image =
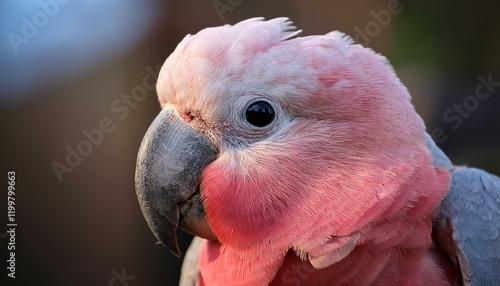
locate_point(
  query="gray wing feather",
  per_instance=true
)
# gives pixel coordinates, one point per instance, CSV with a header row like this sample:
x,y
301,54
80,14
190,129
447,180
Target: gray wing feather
x,y
438,156
472,207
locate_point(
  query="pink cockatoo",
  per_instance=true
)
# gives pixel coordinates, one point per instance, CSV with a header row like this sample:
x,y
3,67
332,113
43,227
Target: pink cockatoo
x,y
301,161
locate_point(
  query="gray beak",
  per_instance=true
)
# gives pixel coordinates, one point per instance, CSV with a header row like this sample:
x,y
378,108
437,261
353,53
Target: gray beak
x,y
170,161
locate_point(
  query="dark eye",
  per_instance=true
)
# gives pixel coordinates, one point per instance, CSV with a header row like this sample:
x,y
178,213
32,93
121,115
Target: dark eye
x,y
259,113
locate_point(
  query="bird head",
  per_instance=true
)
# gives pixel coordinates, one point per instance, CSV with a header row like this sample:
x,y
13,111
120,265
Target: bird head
x,y
267,140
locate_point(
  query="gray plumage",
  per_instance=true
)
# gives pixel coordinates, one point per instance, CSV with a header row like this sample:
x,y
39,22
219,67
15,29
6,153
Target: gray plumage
x,y
472,209
470,216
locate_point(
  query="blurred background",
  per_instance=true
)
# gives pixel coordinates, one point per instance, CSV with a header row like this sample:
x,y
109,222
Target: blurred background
x,y
76,97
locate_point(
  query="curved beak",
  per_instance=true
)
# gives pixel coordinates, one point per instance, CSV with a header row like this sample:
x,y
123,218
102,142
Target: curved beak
x,y
169,164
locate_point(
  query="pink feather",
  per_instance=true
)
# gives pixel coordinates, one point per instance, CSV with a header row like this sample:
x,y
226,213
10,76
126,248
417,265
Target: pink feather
x,y
342,193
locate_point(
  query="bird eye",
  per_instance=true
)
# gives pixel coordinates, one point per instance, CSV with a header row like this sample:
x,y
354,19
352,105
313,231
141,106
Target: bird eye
x,y
259,113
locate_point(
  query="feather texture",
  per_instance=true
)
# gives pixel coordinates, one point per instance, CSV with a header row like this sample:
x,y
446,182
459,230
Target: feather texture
x,y
470,219
340,189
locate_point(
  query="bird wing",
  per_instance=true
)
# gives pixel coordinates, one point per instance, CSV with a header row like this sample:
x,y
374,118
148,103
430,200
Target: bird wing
x,y
469,217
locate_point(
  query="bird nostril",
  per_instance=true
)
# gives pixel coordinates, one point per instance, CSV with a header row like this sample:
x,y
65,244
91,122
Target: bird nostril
x,y
187,116
193,117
